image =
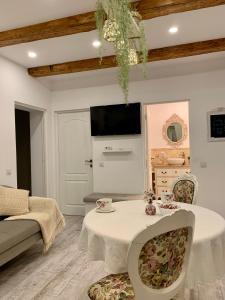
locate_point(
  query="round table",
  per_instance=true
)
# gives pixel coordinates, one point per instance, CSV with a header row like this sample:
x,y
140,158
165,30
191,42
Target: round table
x,y
107,236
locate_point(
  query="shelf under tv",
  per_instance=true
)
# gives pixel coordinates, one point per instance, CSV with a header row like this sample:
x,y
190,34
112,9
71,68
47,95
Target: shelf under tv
x,y
117,151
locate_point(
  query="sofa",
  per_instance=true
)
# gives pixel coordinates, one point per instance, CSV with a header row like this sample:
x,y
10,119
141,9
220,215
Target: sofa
x,y
16,237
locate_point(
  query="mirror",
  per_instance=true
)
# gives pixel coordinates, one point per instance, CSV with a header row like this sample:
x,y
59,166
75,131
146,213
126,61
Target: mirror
x,y
175,130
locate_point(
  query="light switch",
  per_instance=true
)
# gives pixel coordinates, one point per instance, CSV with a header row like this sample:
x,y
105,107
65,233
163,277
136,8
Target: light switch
x,y
203,164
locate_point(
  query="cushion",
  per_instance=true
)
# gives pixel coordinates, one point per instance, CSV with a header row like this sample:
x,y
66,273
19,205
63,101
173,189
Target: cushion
x,y
184,191
16,231
13,201
115,287
161,259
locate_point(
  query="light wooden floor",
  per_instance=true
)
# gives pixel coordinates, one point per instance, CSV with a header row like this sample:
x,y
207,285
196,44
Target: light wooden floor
x,y
64,272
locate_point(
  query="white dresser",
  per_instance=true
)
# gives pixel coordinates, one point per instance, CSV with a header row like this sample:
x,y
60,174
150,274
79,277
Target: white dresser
x,y
165,176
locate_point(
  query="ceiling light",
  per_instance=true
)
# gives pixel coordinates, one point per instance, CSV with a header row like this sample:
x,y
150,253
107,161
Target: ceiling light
x,y
173,29
96,44
32,54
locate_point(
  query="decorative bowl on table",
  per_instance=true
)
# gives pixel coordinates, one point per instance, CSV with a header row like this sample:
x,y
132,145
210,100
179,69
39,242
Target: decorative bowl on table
x,y
167,208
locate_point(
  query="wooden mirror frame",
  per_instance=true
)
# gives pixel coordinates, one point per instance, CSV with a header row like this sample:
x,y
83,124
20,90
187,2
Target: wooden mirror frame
x,y
175,119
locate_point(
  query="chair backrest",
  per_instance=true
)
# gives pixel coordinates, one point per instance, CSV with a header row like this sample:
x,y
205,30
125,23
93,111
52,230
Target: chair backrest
x,y
185,189
158,257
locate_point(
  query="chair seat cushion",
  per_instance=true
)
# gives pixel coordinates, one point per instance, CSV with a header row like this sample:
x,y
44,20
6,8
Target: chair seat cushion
x,y
112,287
16,231
184,191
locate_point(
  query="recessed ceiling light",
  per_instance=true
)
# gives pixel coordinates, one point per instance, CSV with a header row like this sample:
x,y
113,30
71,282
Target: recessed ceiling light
x,y
32,54
96,44
173,29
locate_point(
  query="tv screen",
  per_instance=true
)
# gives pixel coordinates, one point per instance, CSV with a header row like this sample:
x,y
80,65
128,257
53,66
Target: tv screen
x,y
118,119
217,124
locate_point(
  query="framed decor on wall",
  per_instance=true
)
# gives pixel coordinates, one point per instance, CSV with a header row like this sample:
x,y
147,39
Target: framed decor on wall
x,y
216,125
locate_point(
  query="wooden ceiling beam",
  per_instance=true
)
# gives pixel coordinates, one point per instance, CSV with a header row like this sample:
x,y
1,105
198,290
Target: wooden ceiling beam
x,y
150,9
86,22
172,52
56,28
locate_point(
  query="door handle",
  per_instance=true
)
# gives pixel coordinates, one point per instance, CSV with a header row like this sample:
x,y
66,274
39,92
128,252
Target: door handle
x,y
88,161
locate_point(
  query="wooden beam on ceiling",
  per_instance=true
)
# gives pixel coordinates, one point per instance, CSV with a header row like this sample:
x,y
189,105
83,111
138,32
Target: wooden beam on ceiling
x,y
86,22
172,52
150,9
56,28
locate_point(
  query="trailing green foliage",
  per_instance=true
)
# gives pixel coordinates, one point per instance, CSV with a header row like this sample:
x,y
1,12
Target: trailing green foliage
x,y
143,49
120,11
100,17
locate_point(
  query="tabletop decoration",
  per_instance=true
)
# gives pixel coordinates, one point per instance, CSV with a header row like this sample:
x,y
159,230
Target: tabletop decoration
x,y
150,208
167,208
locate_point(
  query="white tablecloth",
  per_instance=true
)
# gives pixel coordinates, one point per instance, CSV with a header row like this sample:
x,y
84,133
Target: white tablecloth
x,y
107,236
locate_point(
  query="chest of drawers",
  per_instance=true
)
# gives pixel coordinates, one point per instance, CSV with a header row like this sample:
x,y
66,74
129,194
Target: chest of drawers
x,y
165,176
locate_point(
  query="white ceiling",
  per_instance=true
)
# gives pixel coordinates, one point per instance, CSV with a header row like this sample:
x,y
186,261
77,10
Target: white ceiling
x,y
193,26
18,13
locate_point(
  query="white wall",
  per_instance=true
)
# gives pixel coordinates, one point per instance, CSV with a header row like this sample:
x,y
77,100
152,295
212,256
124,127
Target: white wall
x,y
158,114
118,172
17,86
205,92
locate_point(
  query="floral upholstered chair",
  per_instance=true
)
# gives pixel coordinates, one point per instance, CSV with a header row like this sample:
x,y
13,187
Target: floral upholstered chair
x,y
157,263
185,189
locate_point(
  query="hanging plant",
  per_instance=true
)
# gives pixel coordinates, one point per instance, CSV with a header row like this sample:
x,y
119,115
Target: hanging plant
x,y
117,23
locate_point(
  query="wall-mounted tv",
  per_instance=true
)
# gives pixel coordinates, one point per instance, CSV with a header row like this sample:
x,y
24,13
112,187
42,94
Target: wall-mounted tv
x,y
216,125
121,119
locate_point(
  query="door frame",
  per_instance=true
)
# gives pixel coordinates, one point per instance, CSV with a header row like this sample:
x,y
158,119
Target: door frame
x,y
32,108
56,138
146,136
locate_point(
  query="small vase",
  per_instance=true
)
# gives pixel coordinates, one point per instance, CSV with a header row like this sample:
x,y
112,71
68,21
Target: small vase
x,y
150,209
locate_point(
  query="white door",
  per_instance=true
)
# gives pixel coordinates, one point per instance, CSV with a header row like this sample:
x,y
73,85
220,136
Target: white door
x,y
75,157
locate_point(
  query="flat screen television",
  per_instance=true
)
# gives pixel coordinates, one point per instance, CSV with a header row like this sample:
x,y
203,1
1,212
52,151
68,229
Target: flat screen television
x,y
216,125
121,119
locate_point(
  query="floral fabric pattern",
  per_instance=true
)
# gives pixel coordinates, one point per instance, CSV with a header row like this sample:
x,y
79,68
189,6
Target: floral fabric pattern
x,y
184,191
112,287
161,259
